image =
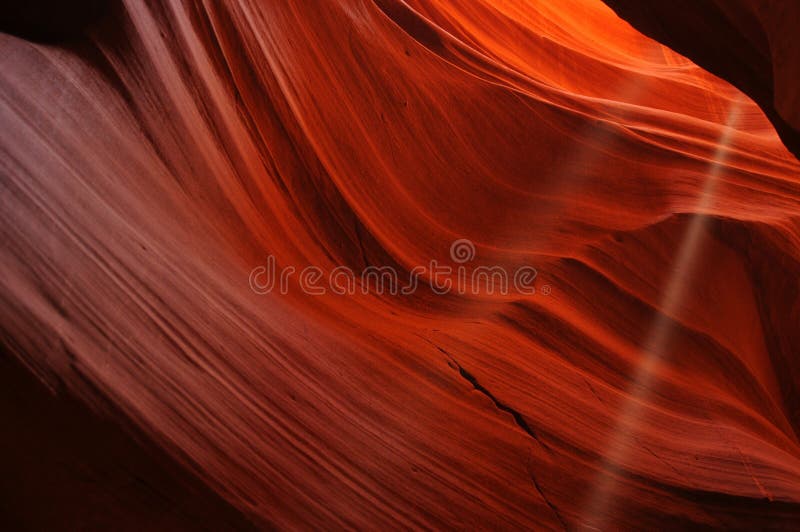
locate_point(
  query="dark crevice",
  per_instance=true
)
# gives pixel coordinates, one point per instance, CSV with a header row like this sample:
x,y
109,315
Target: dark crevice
x,y
544,497
519,419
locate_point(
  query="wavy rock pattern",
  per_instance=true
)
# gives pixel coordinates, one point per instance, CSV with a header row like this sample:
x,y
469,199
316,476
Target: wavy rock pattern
x,y
651,381
747,42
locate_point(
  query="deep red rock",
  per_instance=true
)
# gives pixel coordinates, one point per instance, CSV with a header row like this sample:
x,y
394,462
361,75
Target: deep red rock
x,y
164,152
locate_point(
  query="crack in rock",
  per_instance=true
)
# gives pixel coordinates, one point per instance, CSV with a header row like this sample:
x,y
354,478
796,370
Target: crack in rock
x,y
519,420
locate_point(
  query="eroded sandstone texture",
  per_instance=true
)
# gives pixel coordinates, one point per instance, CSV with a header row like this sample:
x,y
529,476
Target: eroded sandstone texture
x,y
155,153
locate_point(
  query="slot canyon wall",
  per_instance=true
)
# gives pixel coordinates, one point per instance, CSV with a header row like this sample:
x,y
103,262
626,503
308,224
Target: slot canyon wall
x,y
750,43
156,153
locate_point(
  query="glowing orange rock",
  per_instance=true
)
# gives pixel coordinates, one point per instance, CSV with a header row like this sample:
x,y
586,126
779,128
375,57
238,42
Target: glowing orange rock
x,y
650,381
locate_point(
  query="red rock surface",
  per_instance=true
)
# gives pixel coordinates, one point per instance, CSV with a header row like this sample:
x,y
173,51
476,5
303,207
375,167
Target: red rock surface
x,y
152,160
751,43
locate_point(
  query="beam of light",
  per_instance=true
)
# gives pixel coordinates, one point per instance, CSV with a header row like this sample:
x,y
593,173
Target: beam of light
x,y
624,434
